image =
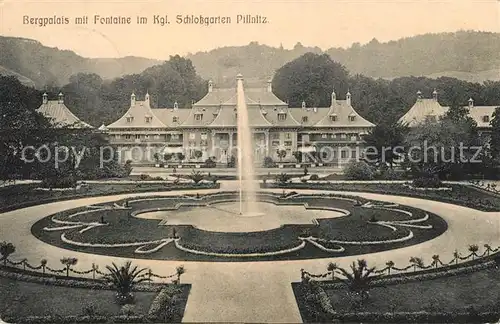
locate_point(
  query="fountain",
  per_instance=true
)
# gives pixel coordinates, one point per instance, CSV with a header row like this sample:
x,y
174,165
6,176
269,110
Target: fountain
x,y
246,175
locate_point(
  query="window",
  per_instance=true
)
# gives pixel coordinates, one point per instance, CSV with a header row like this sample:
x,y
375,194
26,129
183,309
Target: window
x,y
174,136
204,136
175,119
332,135
486,119
192,136
288,135
333,118
352,118
157,136
148,119
343,154
304,119
344,136
127,136
354,154
137,136
324,135
288,143
117,136
130,119
354,138
275,143
198,117
146,136
282,116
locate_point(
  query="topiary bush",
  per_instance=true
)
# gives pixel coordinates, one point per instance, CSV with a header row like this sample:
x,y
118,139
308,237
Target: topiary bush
x,y
314,177
269,163
427,182
59,182
358,170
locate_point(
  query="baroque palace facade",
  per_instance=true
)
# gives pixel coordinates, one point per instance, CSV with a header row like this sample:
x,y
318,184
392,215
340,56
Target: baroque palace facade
x,y
209,128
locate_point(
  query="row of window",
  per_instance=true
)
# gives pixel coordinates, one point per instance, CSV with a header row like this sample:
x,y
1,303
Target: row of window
x,y
333,118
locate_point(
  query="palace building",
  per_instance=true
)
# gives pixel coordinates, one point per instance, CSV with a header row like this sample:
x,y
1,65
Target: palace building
x,y
430,109
209,128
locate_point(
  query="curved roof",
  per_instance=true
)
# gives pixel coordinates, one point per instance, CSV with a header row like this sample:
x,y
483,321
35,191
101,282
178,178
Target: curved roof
x,y
344,113
138,110
60,115
421,109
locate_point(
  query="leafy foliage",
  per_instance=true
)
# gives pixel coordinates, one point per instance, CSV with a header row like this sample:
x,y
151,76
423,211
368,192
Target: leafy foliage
x,y
359,278
123,279
6,249
358,170
196,176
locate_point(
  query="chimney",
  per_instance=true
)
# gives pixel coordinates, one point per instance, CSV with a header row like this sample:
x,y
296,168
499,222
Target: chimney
x,y
132,99
45,98
419,95
60,98
435,95
210,86
269,85
471,103
334,97
348,97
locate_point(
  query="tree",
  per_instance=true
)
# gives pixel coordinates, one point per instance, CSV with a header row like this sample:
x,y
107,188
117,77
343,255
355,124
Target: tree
x,y
167,156
6,249
332,267
198,154
298,156
124,279
310,78
281,154
180,156
495,136
68,263
385,143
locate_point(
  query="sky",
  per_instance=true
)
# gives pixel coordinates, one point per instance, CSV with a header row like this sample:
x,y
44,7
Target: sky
x,y
322,23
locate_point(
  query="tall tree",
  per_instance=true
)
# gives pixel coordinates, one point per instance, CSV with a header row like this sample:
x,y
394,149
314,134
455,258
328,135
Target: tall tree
x,y
310,78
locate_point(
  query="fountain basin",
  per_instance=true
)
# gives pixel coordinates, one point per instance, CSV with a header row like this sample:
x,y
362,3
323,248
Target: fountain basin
x,y
225,216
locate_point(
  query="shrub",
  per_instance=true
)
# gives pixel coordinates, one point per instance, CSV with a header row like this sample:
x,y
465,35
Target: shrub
x,y
427,182
128,310
123,280
209,163
358,170
196,176
59,182
232,162
6,249
144,177
269,163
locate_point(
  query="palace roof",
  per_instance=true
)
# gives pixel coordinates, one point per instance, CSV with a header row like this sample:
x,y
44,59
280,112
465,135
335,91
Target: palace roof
x,y
59,114
139,115
424,108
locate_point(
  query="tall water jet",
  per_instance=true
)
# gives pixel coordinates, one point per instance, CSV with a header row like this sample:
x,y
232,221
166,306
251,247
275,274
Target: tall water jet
x,y
248,185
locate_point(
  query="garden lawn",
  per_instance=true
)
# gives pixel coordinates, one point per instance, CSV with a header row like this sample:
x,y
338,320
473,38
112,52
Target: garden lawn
x,y
124,228
21,299
25,195
463,195
480,290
